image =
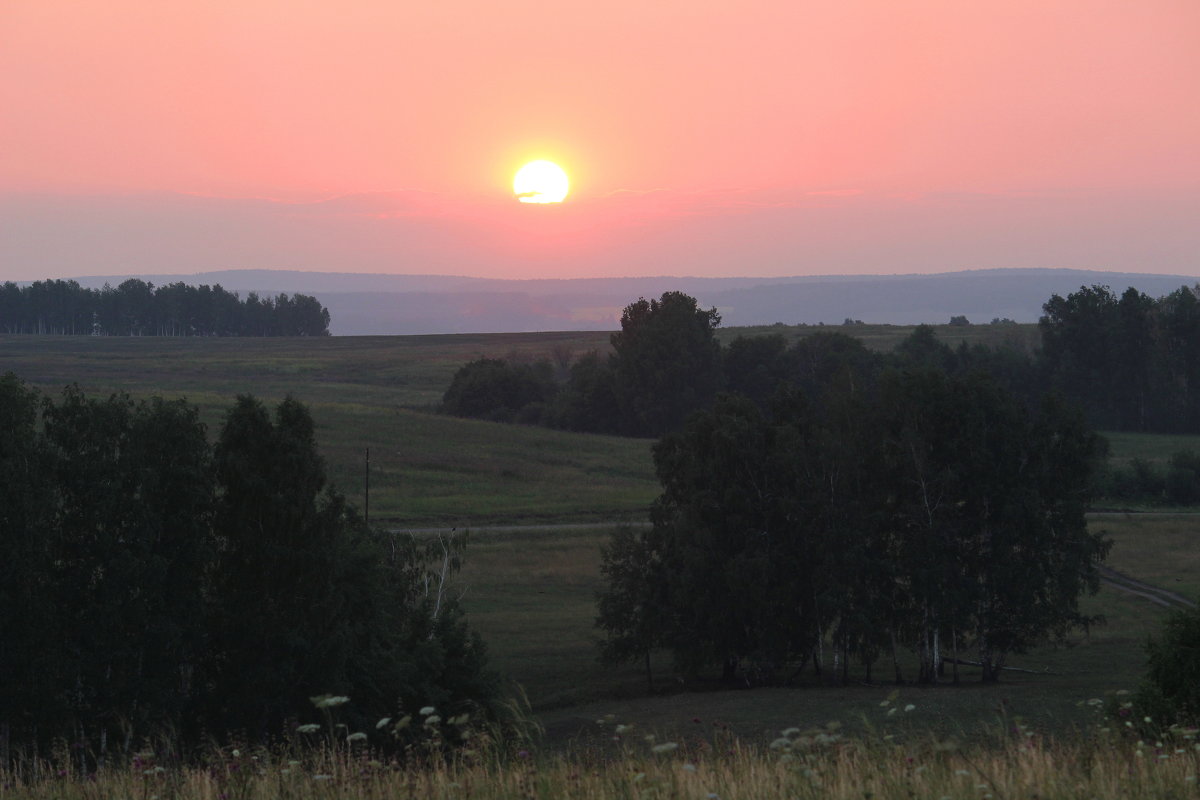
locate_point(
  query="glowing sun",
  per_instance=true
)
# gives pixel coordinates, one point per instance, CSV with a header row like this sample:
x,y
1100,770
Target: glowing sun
x,y
540,182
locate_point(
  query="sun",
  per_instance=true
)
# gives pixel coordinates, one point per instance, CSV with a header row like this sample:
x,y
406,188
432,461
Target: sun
x,y
541,182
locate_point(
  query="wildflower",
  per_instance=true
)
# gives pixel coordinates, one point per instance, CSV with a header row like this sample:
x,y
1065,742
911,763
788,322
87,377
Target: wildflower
x,y
962,772
909,707
426,711
309,728
382,722
789,732
403,723
432,719
329,701
690,767
665,747
624,728
293,763
1145,719
357,737
322,777
891,711
1095,701
461,719
782,743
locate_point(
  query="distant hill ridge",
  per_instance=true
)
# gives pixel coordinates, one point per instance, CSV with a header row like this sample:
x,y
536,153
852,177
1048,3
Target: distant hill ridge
x,y
363,303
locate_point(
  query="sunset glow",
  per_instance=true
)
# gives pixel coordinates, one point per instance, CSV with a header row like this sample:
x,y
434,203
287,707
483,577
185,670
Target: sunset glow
x,y
759,137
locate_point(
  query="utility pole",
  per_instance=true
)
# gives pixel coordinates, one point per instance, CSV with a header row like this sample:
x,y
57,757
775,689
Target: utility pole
x,y
367,488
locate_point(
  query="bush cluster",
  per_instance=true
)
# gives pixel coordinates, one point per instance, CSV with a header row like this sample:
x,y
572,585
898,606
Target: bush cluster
x,y
1139,481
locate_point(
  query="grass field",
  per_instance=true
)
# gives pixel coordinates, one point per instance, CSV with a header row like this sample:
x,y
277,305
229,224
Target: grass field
x,y
531,593
379,391
532,596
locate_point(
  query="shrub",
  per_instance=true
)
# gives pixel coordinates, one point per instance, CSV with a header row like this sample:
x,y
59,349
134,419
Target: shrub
x,y
1171,690
1183,478
492,388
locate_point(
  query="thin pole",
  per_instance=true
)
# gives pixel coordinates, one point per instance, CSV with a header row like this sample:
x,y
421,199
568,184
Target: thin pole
x,y
367,488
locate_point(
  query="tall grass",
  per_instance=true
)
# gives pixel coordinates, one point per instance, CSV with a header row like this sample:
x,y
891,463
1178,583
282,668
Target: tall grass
x,y
798,764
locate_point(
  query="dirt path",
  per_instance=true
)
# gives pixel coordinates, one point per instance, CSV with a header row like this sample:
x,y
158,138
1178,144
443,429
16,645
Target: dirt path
x,y
1155,594
548,526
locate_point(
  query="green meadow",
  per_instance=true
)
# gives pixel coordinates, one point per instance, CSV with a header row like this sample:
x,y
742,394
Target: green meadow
x,y
379,392
531,594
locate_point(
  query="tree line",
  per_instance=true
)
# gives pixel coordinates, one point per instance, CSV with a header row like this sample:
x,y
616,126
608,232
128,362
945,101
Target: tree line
x,y
1132,363
138,308
153,583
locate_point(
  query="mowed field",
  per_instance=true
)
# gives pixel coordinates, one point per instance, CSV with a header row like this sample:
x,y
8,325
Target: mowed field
x,y
379,392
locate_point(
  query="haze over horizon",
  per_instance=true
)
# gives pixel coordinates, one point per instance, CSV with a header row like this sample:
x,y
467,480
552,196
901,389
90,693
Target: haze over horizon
x,y
763,138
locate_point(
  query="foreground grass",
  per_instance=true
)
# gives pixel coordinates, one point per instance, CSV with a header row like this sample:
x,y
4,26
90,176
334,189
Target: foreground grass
x,y
811,764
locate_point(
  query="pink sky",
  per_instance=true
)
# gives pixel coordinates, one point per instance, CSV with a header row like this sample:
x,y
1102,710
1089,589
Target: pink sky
x,y
702,138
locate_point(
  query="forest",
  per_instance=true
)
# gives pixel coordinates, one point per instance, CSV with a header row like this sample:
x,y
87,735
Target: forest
x,y
138,308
